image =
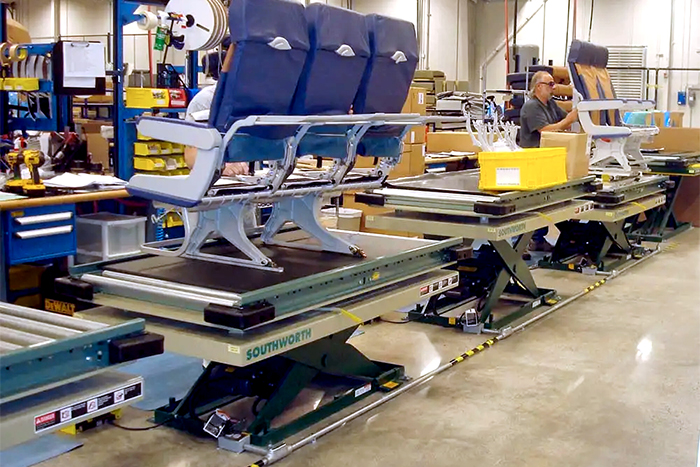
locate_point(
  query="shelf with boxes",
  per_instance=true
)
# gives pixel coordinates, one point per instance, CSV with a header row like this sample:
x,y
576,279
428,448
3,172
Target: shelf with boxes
x,y
159,157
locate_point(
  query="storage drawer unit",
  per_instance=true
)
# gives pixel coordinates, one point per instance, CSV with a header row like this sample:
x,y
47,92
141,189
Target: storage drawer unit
x,y
40,233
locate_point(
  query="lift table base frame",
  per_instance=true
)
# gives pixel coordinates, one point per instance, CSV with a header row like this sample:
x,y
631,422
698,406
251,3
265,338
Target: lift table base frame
x,y
513,274
602,243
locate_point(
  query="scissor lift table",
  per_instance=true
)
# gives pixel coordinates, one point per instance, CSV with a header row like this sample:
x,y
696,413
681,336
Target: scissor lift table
x,y
451,205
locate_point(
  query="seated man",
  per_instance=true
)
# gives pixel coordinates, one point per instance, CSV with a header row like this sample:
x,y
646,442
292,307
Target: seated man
x,y
198,111
541,113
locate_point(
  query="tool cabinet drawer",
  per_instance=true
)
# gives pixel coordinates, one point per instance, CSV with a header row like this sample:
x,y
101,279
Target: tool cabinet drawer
x,y
39,233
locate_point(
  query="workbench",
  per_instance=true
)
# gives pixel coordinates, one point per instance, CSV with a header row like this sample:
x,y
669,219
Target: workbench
x,y
661,224
41,230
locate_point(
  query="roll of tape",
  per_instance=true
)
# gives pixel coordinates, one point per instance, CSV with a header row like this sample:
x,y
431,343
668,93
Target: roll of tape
x,y
4,48
18,53
148,21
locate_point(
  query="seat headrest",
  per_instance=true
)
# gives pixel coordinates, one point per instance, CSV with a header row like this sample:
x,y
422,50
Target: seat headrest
x,y
265,20
332,27
390,35
587,53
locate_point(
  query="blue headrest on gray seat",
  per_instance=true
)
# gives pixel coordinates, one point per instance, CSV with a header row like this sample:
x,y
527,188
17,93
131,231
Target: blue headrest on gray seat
x,y
271,44
386,82
390,70
332,74
587,53
336,61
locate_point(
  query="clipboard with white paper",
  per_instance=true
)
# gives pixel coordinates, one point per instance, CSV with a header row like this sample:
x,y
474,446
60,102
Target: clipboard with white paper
x,y
84,60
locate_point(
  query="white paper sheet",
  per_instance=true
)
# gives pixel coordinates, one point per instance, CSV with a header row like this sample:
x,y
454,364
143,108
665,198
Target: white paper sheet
x,y
76,181
83,60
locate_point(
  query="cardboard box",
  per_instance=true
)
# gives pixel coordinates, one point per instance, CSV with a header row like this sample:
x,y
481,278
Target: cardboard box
x,y
412,162
576,144
16,33
416,135
97,145
349,202
676,140
687,207
446,141
668,119
416,102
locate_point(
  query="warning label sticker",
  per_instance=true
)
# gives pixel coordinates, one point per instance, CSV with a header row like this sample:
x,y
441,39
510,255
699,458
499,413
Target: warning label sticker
x,y
64,415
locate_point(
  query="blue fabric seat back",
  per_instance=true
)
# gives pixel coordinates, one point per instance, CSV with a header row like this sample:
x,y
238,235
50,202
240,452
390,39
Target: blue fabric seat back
x,y
260,79
339,50
386,81
338,55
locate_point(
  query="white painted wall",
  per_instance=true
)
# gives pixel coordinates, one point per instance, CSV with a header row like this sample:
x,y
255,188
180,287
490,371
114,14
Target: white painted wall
x,y
448,35
615,22
402,9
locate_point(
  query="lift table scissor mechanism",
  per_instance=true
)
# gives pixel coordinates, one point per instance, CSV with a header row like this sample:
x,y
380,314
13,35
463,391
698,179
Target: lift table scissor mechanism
x,y
600,240
451,205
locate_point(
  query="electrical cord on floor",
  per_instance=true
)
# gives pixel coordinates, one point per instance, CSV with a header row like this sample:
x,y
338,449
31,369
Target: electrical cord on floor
x,y
425,307
399,322
141,428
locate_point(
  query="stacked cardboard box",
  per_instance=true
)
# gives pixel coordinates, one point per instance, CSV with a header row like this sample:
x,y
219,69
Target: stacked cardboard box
x,y
447,141
99,147
432,82
680,140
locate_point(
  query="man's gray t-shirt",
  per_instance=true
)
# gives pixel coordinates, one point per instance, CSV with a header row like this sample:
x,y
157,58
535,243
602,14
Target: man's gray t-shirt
x,y
534,116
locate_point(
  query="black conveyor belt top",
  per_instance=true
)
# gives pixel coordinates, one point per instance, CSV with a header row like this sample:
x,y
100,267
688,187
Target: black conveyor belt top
x,y
235,279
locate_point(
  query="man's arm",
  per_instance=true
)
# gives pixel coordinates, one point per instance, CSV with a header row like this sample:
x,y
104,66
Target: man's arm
x,y
562,125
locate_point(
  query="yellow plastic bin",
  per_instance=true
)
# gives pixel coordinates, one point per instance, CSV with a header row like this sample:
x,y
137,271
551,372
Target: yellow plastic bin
x,y
529,169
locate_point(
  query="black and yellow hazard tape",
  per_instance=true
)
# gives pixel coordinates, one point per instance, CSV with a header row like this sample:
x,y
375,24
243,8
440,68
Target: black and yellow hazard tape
x,y
591,288
478,349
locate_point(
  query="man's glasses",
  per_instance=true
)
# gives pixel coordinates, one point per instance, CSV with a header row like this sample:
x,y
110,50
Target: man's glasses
x,y
551,84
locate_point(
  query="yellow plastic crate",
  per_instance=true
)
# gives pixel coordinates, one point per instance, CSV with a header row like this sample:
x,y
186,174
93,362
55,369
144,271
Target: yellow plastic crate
x,y
172,220
149,164
151,148
141,137
20,84
529,169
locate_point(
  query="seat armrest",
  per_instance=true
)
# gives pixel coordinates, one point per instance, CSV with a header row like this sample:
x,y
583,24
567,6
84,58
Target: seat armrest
x,y
637,104
600,104
178,131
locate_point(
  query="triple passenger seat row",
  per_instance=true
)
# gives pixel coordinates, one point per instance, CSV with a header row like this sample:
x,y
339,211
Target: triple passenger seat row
x,y
318,80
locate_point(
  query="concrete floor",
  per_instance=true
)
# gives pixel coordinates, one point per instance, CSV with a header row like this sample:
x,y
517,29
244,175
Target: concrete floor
x,y
611,379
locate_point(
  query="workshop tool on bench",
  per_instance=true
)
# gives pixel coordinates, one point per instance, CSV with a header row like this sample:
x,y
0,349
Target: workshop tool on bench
x,y
34,187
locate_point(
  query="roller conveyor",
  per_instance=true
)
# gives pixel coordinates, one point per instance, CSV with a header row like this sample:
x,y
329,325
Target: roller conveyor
x,y
53,367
